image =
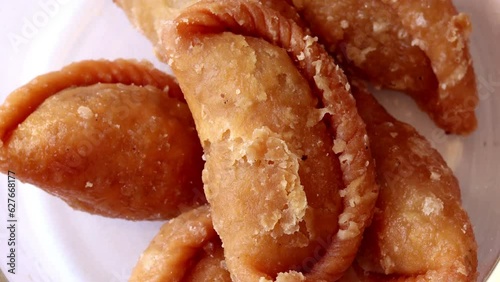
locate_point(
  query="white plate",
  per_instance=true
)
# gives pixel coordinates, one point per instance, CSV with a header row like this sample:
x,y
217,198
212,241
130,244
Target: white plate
x,y
56,243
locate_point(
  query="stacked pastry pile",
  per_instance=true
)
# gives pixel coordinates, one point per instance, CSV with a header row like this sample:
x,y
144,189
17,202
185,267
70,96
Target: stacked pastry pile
x,y
305,176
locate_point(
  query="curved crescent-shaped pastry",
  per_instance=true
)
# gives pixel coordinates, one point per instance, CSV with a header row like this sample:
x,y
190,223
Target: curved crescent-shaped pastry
x,y
108,148
23,101
186,249
271,173
419,47
419,231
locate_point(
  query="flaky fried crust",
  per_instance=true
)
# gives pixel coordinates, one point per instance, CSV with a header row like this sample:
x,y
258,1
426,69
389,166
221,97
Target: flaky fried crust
x,y
419,231
148,15
369,40
249,138
23,101
186,249
107,148
419,47
209,264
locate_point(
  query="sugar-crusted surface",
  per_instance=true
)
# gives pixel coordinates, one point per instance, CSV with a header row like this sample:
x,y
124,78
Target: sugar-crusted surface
x,y
419,47
419,232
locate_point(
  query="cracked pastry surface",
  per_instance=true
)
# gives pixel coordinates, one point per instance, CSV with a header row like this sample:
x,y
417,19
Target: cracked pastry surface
x,y
273,158
420,47
103,146
148,16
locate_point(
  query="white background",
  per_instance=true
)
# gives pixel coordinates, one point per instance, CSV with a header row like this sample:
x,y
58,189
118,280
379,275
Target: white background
x,y
56,243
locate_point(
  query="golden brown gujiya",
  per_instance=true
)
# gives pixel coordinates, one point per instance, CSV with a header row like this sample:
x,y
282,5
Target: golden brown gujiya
x,y
149,15
419,232
420,47
186,249
106,137
282,204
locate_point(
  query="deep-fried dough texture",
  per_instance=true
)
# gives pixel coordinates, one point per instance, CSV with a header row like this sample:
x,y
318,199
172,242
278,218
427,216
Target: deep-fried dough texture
x,y
371,39
255,134
110,149
419,47
148,15
277,166
443,34
186,249
23,101
419,231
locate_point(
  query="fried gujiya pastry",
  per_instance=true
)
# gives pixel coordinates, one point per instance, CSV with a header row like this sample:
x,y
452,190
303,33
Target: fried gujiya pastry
x,y
111,138
187,249
419,230
419,47
288,172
